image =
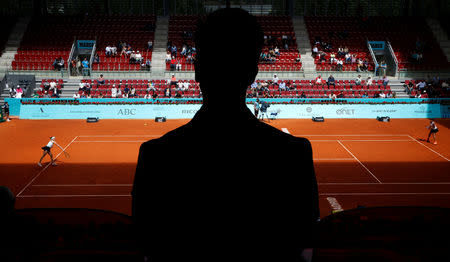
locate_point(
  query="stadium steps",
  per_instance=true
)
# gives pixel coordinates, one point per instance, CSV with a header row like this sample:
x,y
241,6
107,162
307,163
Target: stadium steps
x,y
13,43
440,35
160,47
304,46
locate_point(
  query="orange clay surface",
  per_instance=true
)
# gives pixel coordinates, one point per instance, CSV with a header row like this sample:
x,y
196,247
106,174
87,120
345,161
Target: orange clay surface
x,y
357,162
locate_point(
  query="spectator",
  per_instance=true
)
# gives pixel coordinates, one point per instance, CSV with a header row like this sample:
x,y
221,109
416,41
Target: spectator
x,y
421,85
358,80
275,80
178,65
132,92
96,59
85,67
282,86
151,87
76,95
138,57
409,87
100,80
114,91
319,80
173,63
58,64
331,81
369,81
150,45
382,68
147,65
132,57
126,91
108,51
168,57
173,80
339,64
385,81
315,51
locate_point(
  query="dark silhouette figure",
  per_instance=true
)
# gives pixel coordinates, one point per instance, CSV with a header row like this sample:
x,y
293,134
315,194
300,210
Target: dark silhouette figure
x,y
225,186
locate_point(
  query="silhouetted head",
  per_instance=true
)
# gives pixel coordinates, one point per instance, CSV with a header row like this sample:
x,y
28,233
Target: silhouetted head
x,y
228,44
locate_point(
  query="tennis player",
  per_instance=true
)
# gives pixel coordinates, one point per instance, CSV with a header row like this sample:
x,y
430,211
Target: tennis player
x,y
433,130
47,150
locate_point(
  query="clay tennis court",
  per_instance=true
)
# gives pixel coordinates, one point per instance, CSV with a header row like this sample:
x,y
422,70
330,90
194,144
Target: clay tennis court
x,y
357,162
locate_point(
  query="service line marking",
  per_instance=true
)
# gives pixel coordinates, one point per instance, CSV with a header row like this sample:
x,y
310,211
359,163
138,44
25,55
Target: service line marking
x,y
359,161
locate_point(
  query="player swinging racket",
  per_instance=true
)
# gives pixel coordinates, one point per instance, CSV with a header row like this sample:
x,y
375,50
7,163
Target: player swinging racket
x,y
47,149
433,130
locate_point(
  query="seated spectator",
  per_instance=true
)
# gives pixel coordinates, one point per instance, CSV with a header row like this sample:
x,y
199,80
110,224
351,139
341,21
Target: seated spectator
x,y
332,57
282,86
168,57
358,80
138,57
331,81
275,80
147,65
150,45
128,50
332,96
76,95
298,58
319,80
58,64
276,51
81,87
126,92
409,87
382,95
348,58
113,91
315,51
369,81
365,65
421,85
147,95
113,50
100,80
132,92
108,51
340,51
178,65
345,50
96,59
173,80
385,81
339,64
173,63
353,59
183,50
132,57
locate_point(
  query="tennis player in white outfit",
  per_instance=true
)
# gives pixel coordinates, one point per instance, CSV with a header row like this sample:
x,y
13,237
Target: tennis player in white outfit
x,y
47,150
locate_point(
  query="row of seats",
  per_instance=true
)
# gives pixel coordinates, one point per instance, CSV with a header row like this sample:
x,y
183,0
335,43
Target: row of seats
x,y
52,36
401,32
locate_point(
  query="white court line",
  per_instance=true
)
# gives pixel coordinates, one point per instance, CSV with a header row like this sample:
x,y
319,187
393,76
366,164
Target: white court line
x,y
83,185
358,161
383,194
284,129
334,159
42,171
429,148
48,196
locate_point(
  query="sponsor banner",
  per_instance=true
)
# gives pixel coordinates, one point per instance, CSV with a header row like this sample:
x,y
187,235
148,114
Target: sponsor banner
x,y
187,111
108,111
85,44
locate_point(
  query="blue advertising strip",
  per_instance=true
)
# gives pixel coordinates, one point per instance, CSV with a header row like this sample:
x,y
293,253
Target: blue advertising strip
x,y
85,44
186,108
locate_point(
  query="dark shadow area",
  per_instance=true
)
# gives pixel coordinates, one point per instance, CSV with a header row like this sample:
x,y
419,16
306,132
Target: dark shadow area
x,y
209,190
384,234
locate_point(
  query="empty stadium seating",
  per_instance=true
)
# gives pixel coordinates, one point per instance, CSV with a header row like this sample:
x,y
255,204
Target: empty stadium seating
x,y
401,32
277,30
51,37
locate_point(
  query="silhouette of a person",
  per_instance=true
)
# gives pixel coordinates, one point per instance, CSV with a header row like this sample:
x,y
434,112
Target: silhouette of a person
x,y
214,189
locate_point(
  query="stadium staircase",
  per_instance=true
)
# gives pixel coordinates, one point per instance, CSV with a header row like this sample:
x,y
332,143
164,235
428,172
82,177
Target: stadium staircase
x,y
12,45
304,47
441,36
160,47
